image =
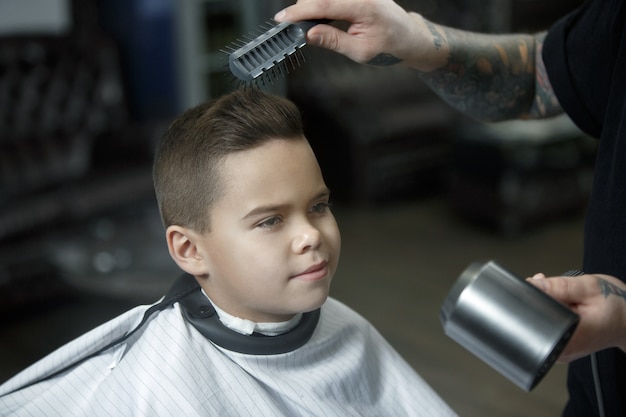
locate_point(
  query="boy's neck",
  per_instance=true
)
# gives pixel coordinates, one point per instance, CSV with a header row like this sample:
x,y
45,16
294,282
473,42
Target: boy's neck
x,y
247,327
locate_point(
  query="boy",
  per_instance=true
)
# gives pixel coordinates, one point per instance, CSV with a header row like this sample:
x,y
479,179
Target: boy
x,y
249,329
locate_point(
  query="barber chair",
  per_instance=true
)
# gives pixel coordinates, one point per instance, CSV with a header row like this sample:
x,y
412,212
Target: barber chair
x,y
69,152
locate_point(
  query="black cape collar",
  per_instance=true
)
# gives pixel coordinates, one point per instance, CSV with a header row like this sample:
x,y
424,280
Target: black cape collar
x,y
199,312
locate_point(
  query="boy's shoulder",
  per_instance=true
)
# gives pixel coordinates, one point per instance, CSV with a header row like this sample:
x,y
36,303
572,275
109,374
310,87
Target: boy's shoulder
x,y
79,349
334,306
337,318
343,311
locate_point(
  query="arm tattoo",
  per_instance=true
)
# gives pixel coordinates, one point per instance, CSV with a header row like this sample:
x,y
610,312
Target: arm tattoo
x,y
384,60
607,289
492,81
545,104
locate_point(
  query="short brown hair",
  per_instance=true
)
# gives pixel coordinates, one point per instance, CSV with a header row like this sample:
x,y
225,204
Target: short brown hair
x,y
186,165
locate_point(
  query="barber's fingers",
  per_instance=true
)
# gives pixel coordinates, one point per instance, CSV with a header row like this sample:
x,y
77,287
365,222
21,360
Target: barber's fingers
x,y
359,48
327,37
349,10
568,290
361,42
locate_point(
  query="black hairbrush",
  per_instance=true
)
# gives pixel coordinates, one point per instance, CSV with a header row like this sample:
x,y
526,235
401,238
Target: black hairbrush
x,y
272,53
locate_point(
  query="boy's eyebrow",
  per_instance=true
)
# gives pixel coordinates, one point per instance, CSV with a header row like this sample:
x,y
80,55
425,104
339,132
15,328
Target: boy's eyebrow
x,y
263,209
276,207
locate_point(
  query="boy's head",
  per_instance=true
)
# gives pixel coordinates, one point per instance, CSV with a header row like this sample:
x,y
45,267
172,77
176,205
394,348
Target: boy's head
x,y
186,168
246,207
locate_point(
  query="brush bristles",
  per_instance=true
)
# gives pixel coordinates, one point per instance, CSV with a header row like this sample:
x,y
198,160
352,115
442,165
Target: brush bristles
x,y
279,70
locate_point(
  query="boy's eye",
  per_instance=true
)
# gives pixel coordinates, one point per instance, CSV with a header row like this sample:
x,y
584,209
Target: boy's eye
x,y
320,208
271,222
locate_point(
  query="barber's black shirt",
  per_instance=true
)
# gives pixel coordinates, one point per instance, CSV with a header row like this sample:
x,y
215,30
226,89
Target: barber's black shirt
x,y
585,56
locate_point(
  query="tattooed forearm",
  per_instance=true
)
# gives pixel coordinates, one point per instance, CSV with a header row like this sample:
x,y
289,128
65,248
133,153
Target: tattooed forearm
x,y
545,104
607,289
487,77
384,60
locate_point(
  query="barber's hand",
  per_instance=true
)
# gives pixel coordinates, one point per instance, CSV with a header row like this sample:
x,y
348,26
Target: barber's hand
x,y
380,32
600,300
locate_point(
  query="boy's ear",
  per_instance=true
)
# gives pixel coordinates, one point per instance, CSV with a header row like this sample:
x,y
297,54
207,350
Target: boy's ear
x,y
182,244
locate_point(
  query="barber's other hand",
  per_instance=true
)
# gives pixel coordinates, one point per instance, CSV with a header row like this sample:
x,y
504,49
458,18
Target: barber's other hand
x,y
380,32
600,301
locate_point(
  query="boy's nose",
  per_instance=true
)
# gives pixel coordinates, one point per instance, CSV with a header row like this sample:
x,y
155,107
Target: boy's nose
x,y
308,238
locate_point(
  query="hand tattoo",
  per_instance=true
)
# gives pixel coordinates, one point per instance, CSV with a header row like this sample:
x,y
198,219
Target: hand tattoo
x,y
437,37
607,289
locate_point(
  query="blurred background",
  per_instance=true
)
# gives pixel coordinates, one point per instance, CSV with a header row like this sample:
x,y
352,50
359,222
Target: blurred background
x,y
87,87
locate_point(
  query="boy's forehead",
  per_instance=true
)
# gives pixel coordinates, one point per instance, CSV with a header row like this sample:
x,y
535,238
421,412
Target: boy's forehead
x,y
274,168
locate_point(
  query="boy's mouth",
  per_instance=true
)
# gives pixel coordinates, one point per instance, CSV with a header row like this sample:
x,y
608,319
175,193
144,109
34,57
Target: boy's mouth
x,y
314,272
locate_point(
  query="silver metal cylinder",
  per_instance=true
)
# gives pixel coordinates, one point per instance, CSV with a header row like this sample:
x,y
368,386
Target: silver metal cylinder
x,y
508,323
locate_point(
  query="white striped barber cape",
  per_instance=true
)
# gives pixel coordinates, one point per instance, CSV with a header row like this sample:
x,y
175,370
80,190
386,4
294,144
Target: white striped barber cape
x,y
169,369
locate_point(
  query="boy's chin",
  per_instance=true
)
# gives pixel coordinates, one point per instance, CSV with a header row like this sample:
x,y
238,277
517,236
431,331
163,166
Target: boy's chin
x,y
314,303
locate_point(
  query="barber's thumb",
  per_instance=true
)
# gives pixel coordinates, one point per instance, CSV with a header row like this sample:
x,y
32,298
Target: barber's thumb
x,y
539,281
280,16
